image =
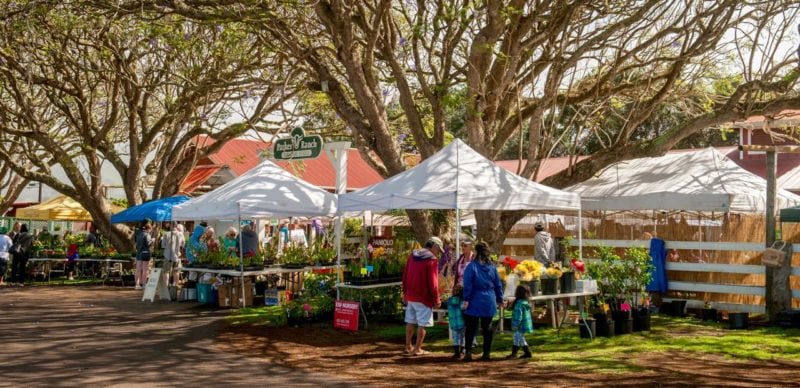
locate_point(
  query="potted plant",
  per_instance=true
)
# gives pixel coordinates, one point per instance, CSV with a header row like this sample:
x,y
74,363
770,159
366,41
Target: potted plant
x,y
324,255
610,275
549,280
709,313
295,256
529,273
639,267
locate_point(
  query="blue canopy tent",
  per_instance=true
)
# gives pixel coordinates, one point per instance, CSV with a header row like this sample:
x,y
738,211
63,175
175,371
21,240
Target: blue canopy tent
x,y
157,210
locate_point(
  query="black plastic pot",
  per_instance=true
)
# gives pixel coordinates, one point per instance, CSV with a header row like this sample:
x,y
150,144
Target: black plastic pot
x,y
549,286
567,281
709,315
679,308
641,319
738,320
533,285
592,329
604,327
623,323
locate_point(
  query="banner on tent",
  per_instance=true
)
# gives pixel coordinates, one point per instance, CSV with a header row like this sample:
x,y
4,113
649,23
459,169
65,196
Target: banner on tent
x,y
345,315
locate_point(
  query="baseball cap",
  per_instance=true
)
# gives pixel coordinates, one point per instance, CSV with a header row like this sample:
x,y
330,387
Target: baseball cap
x,y
435,241
466,241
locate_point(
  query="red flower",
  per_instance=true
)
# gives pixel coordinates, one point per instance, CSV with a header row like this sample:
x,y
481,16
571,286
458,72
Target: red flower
x,y
578,265
510,262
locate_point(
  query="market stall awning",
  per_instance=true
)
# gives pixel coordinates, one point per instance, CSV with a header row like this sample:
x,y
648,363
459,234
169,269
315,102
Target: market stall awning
x,y
696,180
458,177
157,210
265,191
61,208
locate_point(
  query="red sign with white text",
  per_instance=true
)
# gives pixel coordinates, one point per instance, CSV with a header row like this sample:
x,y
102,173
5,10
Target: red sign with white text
x,y
345,315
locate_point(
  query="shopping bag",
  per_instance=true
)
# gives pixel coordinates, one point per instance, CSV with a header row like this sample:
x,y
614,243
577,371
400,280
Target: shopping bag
x,y
774,256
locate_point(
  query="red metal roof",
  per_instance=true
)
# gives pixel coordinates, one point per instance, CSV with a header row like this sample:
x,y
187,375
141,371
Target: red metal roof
x,y
240,155
549,166
789,116
197,177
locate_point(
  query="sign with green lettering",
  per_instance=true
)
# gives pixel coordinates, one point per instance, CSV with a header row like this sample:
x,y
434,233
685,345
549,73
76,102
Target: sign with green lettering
x,y
297,146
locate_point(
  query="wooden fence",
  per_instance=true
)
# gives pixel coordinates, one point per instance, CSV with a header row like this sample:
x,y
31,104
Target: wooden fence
x,y
732,287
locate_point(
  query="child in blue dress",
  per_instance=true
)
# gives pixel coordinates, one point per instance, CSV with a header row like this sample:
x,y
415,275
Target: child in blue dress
x,y
456,320
521,321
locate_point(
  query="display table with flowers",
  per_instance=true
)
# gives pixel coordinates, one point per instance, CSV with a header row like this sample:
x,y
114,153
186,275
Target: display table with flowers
x,y
551,301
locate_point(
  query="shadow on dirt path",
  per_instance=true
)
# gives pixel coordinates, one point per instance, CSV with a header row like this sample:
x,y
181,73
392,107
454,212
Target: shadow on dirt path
x,y
68,336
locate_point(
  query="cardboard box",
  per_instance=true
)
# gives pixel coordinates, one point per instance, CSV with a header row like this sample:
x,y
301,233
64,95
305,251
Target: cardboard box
x,y
225,295
249,291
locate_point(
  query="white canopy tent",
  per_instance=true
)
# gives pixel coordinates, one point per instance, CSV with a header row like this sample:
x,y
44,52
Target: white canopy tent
x,y
458,177
790,180
265,191
699,180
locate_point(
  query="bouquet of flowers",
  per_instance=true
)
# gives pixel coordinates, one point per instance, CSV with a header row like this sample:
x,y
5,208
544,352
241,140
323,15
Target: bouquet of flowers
x,y
529,270
553,272
507,266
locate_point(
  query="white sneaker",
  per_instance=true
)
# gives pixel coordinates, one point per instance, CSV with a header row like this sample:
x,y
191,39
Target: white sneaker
x,y
138,287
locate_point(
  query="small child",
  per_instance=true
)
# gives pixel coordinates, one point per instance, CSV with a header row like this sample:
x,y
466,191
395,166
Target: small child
x,y
456,320
521,322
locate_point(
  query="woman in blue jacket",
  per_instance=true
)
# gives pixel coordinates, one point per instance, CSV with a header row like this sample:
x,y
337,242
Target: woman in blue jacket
x,y
482,293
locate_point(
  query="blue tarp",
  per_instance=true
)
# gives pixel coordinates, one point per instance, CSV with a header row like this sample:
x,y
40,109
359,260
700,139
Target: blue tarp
x,y
156,210
658,251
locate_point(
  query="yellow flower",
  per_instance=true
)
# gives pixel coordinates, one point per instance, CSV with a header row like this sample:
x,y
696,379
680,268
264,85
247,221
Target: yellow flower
x,y
553,273
502,272
529,270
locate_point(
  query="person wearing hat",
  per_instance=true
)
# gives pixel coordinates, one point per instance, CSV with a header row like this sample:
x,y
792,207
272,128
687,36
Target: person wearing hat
x,y
544,250
467,254
421,292
5,245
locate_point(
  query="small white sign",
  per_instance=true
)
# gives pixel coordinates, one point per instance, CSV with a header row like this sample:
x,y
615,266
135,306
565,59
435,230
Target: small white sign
x,y
152,285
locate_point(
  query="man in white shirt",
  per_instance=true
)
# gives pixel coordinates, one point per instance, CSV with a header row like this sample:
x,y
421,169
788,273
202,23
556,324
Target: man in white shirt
x,y
297,235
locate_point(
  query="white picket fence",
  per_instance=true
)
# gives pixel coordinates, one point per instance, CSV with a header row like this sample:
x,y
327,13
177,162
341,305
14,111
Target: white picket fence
x,y
699,267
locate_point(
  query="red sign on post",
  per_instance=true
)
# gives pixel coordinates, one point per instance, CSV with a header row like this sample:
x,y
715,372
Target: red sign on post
x,y
345,315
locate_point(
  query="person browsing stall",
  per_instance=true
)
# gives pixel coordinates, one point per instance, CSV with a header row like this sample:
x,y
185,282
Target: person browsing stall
x,y
544,250
143,241
482,293
5,245
421,292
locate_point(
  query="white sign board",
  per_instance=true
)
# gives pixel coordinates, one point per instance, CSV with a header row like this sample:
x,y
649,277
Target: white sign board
x,y
152,285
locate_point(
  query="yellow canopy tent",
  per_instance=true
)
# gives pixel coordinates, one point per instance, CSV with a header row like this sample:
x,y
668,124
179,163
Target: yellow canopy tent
x,y
60,208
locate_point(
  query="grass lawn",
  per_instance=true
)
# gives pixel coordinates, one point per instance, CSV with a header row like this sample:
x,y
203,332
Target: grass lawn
x,y
613,355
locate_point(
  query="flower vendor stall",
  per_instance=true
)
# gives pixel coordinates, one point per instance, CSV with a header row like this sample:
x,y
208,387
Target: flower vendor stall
x,y
457,177
263,192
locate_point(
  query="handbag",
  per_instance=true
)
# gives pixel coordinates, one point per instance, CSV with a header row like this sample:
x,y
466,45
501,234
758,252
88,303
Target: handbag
x,y
774,256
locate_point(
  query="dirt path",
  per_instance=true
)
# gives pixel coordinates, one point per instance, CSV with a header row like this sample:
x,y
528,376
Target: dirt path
x,y
105,336
365,359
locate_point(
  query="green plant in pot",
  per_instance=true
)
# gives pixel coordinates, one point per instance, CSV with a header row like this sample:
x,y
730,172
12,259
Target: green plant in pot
x,y
640,273
295,256
324,255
